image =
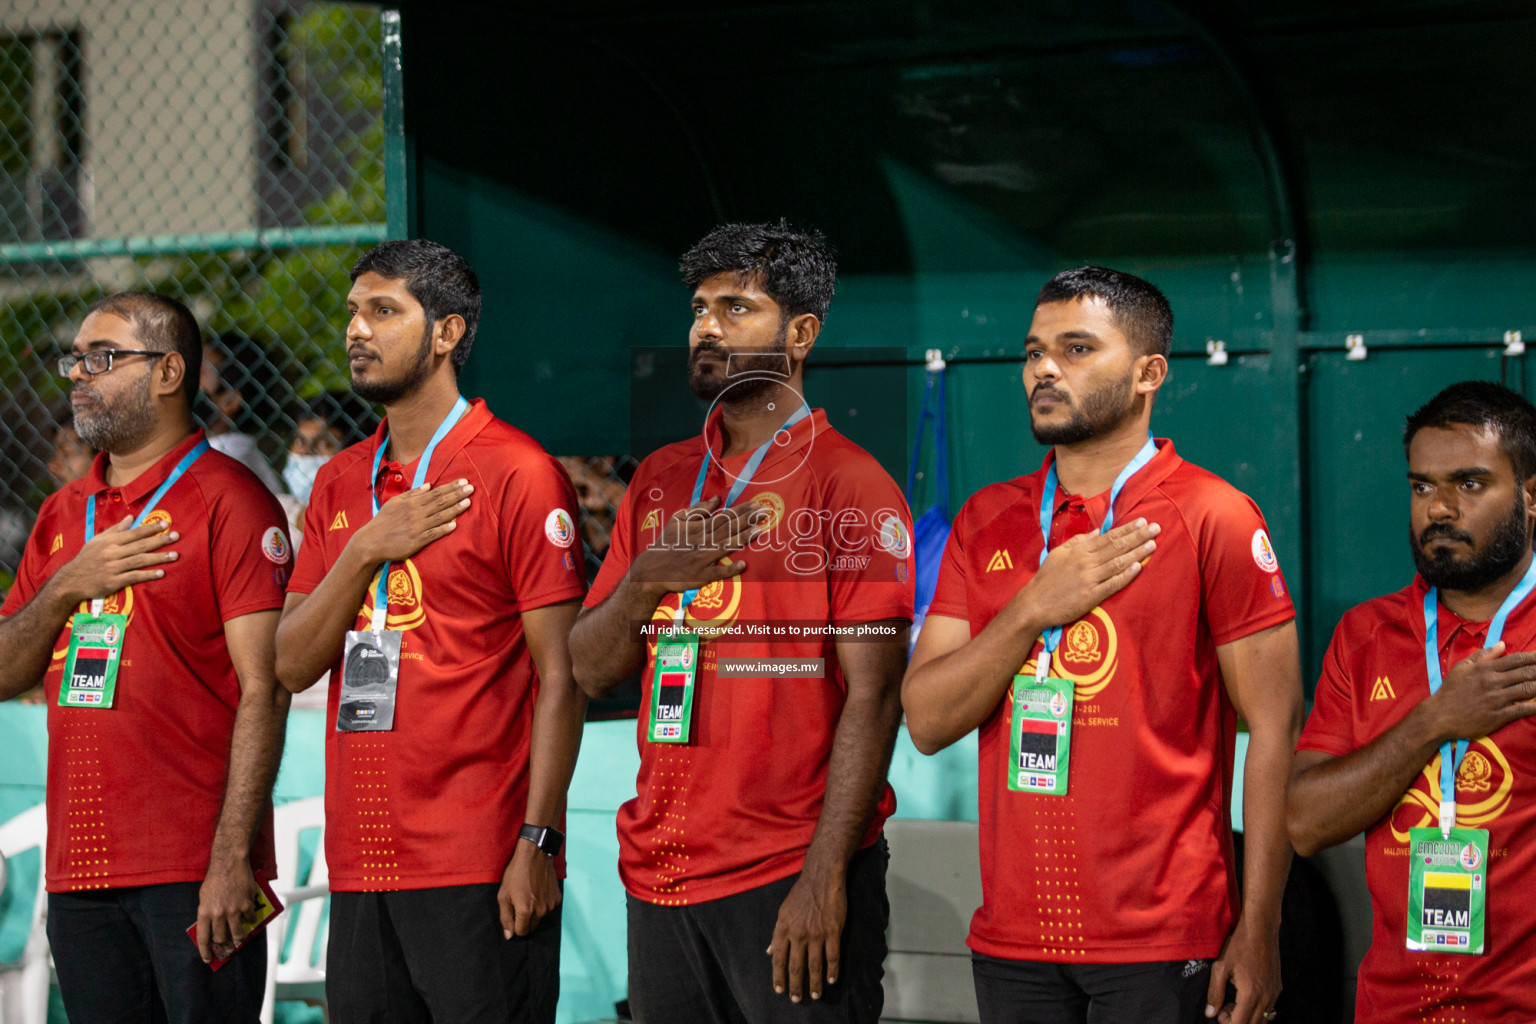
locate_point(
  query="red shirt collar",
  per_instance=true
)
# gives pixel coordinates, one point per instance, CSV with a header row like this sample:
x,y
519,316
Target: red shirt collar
x,y
800,436
144,484
1136,488
461,433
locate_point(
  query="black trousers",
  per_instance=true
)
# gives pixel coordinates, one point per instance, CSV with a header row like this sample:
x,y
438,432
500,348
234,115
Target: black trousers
x,y
437,955
1031,992
123,957
707,963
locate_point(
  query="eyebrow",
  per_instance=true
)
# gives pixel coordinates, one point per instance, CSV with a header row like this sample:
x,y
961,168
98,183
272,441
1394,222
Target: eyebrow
x,y
1068,336
1467,473
94,345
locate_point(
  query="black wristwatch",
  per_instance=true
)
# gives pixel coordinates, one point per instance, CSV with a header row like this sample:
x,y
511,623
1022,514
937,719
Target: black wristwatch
x,y
547,840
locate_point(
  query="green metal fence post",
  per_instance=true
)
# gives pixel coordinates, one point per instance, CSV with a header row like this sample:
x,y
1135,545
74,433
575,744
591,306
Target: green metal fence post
x,y
396,175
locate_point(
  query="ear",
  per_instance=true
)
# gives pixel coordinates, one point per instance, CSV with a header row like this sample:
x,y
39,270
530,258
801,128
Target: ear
x,y
446,334
1529,486
171,375
801,336
1150,373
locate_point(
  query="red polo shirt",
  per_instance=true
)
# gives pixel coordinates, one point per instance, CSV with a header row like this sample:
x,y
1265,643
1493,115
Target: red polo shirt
x,y
735,808
1135,862
134,791
438,800
1373,675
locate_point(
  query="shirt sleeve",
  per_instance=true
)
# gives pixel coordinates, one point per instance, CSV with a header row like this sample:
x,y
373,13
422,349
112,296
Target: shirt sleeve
x,y
1330,726
29,573
1240,578
540,539
949,597
620,548
312,562
248,547
870,574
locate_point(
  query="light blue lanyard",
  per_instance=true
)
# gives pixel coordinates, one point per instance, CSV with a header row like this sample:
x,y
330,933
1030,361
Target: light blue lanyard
x,y
1052,636
381,593
740,484
154,499
1450,759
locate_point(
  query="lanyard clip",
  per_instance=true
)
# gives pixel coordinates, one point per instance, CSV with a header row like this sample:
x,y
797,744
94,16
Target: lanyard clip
x,y
1447,817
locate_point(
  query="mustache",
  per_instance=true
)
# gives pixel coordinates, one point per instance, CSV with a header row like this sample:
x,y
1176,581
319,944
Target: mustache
x,y
1048,389
1445,530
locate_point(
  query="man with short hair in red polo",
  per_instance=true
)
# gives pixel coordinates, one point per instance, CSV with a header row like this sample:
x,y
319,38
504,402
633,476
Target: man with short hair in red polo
x,y
437,582
146,602
1421,733
761,575
1105,670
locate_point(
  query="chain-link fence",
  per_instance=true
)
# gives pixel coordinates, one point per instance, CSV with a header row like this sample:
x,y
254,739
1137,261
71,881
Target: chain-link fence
x,y
229,152
236,154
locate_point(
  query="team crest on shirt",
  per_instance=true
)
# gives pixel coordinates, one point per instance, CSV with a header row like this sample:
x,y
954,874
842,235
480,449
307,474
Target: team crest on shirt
x,y
159,517
559,528
773,505
1264,552
1485,784
893,538
712,612
275,546
407,604
1089,654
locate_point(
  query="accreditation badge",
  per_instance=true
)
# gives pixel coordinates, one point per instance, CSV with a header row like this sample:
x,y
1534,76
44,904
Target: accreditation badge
x,y
91,663
1447,890
370,674
1040,736
677,666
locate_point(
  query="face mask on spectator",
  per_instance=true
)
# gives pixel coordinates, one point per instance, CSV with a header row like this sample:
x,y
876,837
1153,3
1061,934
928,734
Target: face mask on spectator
x,y
299,474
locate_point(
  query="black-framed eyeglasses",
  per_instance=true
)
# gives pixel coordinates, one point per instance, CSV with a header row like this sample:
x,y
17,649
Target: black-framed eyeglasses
x,y
99,360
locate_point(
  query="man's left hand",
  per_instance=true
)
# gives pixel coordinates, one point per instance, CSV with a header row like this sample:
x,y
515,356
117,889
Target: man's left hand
x,y
529,890
807,939
1251,962
224,903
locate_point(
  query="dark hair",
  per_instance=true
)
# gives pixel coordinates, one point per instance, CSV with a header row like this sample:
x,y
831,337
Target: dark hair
x,y
162,325
436,276
797,269
1138,308
1481,403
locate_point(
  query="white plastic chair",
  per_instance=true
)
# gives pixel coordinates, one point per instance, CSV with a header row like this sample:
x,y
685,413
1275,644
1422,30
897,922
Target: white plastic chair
x,y
24,983
292,976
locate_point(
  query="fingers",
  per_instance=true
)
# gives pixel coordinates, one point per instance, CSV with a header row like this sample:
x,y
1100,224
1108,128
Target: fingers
x,y
508,913
1129,535
1216,989
834,957
814,961
797,950
204,929
779,950
443,496
234,929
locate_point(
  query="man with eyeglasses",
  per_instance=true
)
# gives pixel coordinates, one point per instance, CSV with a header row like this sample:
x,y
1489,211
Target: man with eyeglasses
x,y
147,601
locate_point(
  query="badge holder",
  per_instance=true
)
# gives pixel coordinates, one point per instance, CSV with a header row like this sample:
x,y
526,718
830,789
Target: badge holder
x,y
672,682
1040,734
1447,875
370,670
94,656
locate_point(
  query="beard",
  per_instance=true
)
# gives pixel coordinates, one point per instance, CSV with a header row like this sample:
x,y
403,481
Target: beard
x,y
757,371
1101,409
388,392
1503,551
119,425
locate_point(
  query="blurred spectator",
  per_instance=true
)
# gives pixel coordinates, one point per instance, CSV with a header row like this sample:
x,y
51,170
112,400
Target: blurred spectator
x,y
237,376
599,489
72,457
322,427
